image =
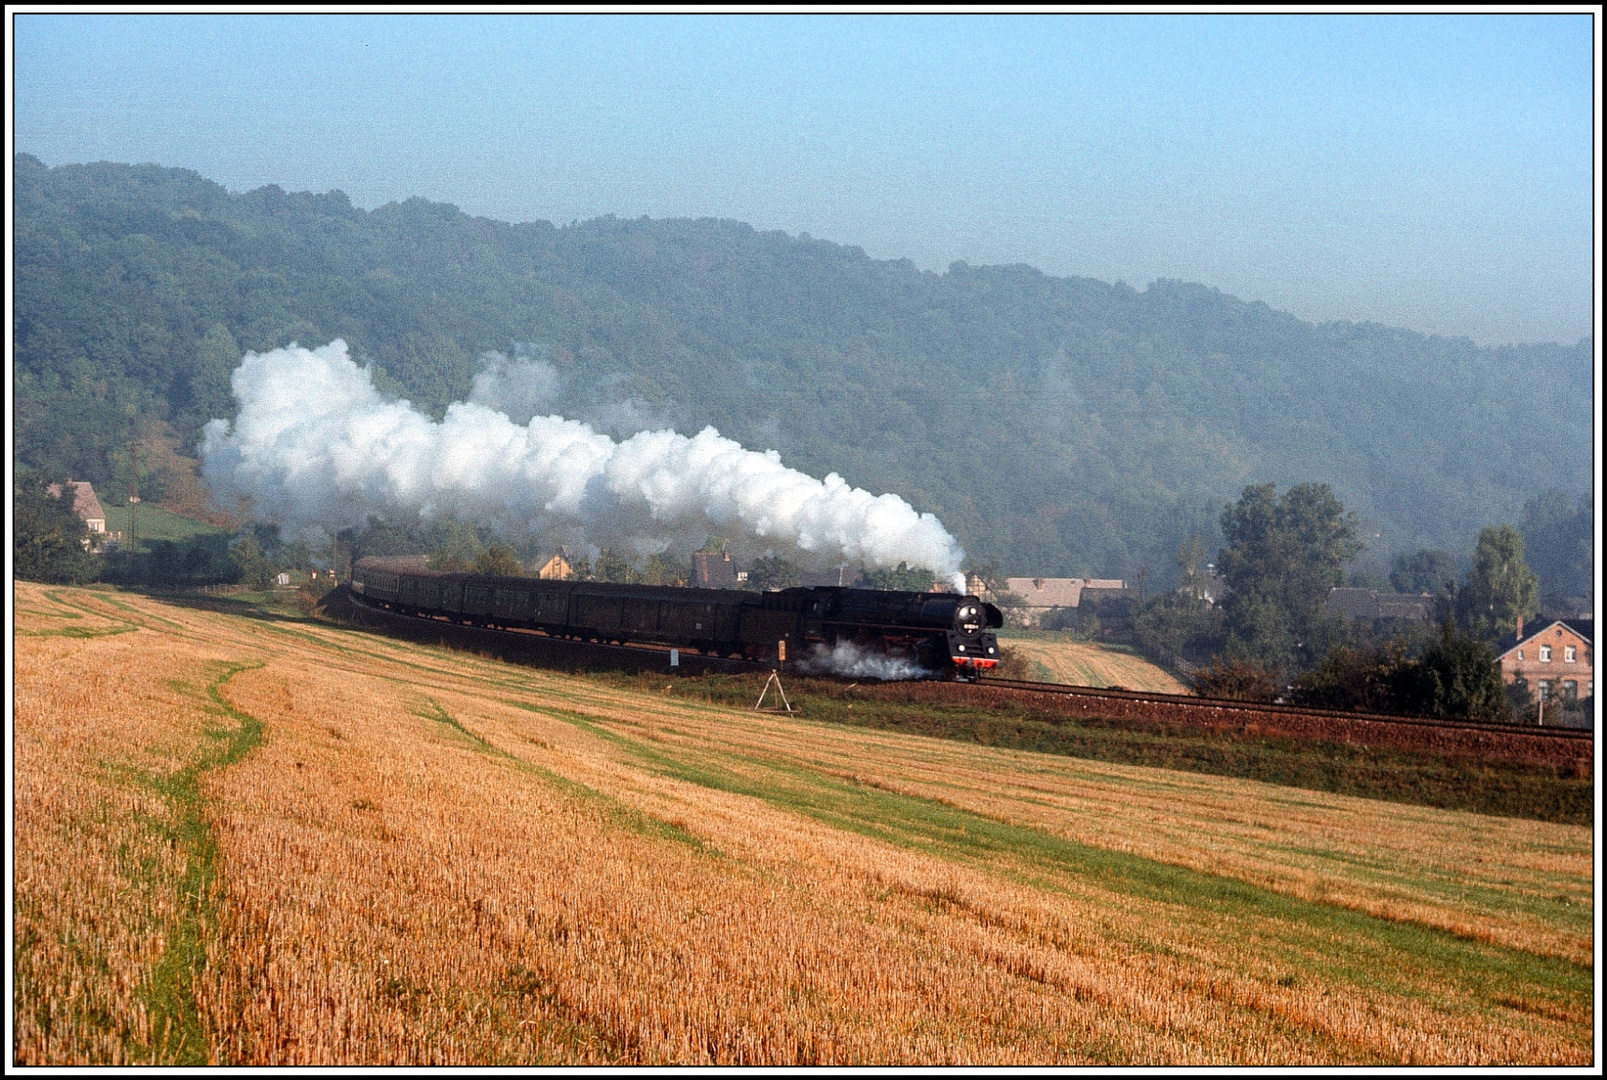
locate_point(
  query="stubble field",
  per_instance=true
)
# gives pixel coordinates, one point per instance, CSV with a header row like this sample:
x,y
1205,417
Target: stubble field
x,y
252,838
1056,657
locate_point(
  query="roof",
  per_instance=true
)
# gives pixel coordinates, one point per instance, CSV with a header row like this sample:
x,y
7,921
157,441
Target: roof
x,y
713,570
1584,628
1372,604
85,505
1046,592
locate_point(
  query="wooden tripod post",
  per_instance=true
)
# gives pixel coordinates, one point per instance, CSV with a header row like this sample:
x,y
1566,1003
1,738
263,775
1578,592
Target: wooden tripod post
x,y
775,681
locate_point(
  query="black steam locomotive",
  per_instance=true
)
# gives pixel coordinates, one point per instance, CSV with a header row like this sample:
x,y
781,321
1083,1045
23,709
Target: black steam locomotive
x,y
941,634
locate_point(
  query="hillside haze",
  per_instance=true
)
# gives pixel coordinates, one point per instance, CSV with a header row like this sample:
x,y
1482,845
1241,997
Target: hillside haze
x,y
1059,425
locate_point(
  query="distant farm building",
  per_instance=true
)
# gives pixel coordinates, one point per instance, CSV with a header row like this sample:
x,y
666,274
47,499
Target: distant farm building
x,y
1043,597
1372,604
85,505
713,570
556,568
839,575
1557,658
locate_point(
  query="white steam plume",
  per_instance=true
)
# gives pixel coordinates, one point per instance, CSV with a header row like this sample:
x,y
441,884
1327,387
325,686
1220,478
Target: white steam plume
x,y
850,661
316,448
518,387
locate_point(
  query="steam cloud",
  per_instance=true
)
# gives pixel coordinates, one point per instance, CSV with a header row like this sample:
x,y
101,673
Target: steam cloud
x,y
849,661
316,448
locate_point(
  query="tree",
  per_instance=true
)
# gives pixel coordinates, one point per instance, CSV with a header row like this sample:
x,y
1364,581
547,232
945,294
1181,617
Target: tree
x,y
457,550
1500,587
611,567
663,570
902,578
498,560
1559,541
1175,626
49,540
773,572
1457,677
1428,570
1191,568
248,556
1282,557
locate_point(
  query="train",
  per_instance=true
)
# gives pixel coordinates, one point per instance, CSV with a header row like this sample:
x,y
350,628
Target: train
x,y
937,635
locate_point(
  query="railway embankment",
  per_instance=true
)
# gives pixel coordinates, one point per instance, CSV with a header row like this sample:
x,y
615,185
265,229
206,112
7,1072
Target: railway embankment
x,y
1554,747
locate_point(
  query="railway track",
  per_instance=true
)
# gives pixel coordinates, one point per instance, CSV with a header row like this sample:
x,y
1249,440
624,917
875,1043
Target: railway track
x,y
1230,705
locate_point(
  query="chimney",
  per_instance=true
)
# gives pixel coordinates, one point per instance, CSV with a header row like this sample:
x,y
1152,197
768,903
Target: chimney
x,y
1520,628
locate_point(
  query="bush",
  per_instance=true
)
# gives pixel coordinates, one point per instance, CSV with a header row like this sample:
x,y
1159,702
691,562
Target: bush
x,y
1456,677
1238,679
1346,678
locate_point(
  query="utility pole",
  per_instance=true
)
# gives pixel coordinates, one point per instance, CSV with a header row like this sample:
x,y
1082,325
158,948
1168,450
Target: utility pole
x,y
133,496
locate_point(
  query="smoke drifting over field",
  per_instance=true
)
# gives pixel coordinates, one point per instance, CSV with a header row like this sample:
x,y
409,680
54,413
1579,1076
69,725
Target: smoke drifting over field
x,y
316,448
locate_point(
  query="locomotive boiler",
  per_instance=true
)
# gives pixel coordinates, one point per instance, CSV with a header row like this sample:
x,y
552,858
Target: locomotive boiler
x,y
940,635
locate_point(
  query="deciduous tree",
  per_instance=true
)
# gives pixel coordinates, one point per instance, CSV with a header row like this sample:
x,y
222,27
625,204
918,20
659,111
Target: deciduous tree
x,y
1282,557
1428,570
1500,587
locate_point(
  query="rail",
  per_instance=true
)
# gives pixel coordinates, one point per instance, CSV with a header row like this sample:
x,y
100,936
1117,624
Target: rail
x,y
1233,704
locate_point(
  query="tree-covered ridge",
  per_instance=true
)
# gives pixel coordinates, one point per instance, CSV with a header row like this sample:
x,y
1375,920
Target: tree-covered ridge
x,y
1059,425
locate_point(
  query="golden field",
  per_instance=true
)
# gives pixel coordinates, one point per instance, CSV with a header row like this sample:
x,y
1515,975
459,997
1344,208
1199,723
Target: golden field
x,y
253,838
1055,657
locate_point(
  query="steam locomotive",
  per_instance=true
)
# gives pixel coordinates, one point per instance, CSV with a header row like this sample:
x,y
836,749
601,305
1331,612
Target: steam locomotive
x,y
941,634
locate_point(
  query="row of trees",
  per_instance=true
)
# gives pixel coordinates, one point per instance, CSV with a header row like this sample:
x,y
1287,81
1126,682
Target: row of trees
x,y
1272,634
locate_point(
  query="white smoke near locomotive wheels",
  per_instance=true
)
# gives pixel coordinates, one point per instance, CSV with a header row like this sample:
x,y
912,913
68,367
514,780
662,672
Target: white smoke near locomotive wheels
x,y
850,661
316,448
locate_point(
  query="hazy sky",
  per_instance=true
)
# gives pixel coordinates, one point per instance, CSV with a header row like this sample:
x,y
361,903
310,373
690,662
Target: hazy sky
x,y
1432,172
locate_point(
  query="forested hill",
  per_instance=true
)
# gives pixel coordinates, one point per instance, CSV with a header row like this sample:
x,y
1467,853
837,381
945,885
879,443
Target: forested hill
x,y
1061,425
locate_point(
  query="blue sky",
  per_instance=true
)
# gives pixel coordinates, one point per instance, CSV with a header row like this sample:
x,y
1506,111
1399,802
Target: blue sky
x,y
1432,172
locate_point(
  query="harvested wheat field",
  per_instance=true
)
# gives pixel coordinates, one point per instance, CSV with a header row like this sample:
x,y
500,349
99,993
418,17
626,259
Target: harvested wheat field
x,y
1060,659
253,838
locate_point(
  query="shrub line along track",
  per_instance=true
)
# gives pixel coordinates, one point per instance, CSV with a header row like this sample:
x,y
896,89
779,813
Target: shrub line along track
x,y
1567,748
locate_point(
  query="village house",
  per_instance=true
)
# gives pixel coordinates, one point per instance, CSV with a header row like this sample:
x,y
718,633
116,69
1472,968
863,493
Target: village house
x,y
556,568
1042,597
713,570
1372,604
86,506
1557,658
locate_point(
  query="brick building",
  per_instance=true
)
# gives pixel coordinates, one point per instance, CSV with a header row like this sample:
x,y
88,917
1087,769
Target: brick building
x,y
1557,658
